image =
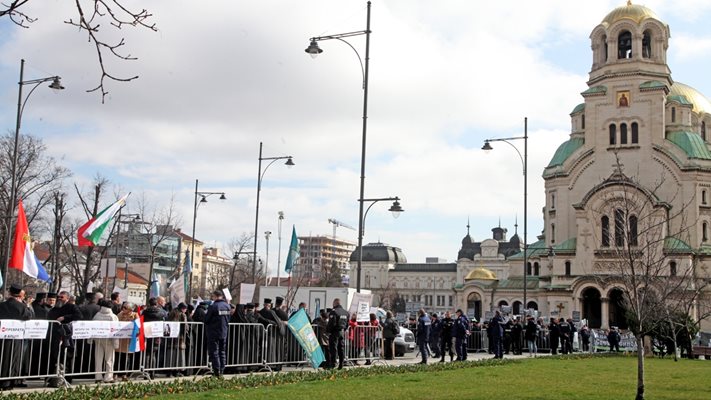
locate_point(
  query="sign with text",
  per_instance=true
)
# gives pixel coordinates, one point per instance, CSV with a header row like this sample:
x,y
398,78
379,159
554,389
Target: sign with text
x,y
36,329
102,329
357,299
576,316
156,329
363,313
12,329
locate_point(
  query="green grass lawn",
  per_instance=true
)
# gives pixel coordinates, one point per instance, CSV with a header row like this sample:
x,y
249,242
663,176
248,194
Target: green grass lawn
x,y
541,378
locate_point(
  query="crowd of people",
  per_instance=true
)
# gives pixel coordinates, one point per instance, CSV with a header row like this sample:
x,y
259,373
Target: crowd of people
x,y
436,336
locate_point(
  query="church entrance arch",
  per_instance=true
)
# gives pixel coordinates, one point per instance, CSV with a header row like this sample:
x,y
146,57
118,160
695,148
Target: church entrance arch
x,y
592,307
618,311
517,307
474,303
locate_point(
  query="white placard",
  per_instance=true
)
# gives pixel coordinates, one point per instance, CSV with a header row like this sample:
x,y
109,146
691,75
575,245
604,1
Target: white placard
x,y
156,329
91,329
246,293
36,329
228,295
363,314
122,330
12,329
357,299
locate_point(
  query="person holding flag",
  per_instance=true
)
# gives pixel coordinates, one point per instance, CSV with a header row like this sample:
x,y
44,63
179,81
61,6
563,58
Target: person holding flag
x,y
22,257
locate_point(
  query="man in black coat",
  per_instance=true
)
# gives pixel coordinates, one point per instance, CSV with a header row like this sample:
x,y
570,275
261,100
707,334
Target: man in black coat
x,y
13,350
91,307
38,306
337,324
446,336
64,312
565,336
275,333
516,337
554,333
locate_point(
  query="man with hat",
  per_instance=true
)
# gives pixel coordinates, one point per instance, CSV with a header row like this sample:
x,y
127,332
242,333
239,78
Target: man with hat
x,y
38,306
217,318
275,333
255,334
13,308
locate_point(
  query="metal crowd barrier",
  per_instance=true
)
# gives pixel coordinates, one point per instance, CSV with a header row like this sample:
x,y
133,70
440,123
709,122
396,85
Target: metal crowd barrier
x,y
282,349
185,354
22,359
363,343
245,347
478,342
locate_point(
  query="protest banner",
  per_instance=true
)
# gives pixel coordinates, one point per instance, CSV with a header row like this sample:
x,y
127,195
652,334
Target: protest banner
x,y
246,293
304,334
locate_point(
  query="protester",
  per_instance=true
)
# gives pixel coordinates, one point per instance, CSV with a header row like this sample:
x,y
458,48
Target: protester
x,y
320,325
13,308
126,360
585,337
371,342
104,349
496,327
390,332
532,331
116,300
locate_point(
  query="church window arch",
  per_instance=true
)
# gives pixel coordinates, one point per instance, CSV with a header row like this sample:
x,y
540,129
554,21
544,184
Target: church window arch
x,y
552,233
705,231
604,47
528,268
613,134
635,133
567,268
624,45
632,230
704,200
672,268
623,133
536,269
703,130
619,227
647,44
605,234
673,114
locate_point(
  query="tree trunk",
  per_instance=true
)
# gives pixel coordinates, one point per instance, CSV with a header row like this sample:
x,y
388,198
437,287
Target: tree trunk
x,y
640,368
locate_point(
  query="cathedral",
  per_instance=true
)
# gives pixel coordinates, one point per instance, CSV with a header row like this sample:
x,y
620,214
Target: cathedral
x,y
638,134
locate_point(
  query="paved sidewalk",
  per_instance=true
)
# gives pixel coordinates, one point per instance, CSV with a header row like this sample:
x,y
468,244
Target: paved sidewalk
x,y
409,358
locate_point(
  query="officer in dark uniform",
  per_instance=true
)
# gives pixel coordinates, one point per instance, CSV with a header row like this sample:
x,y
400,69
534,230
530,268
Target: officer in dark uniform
x,y
446,336
565,333
496,327
424,325
13,308
507,336
435,333
337,324
461,331
554,334
216,319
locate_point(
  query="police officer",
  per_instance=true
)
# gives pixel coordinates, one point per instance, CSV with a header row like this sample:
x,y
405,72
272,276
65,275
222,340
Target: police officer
x,y
516,337
337,324
446,336
565,336
507,335
216,319
424,325
435,333
461,331
496,327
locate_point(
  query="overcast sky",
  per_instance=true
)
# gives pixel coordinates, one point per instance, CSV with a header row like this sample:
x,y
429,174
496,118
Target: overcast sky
x,y
216,80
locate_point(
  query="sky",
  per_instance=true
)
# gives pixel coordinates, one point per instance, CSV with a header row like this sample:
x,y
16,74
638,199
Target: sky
x,y
216,81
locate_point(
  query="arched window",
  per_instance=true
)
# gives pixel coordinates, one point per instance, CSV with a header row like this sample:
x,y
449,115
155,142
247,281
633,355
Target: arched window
x,y
633,230
604,46
672,268
635,133
673,114
582,119
704,232
536,269
613,134
552,233
703,197
624,45
619,227
623,133
703,129
647,45
567,268
605,223
528,268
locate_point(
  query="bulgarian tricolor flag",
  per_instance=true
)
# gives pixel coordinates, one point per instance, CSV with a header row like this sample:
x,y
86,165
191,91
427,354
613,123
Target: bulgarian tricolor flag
x,y
90,233
138,338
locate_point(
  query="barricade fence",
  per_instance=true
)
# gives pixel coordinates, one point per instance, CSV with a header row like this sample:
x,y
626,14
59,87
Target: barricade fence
x,y
29,349
363,343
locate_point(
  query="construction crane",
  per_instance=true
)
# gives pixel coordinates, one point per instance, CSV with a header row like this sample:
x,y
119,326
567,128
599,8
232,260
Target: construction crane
x,y
336,223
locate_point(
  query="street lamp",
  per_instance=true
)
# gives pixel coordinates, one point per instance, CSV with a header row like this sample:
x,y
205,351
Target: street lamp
x,y
260,175
281,218
21,102
266,236
395,209
524,161
314,50
203,199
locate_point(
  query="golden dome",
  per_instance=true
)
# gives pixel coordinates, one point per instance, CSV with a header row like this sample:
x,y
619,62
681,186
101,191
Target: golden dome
x,y
700,102
630,11
480,274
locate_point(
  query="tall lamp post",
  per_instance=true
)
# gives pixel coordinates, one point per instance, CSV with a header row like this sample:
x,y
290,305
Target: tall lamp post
x,y
281,219
314,50
395,208
21,102
267,234
524,161
203,199
260,175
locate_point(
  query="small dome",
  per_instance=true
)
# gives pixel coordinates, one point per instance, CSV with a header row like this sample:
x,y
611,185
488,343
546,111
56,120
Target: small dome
x,y
634,12
700,102
480,274
380,252
467,241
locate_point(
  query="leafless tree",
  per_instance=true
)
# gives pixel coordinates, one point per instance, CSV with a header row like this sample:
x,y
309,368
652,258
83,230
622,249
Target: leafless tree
x,y
241,270
639,234
156,227
90,15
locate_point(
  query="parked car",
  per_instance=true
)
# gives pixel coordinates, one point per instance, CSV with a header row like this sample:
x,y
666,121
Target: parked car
x,y
404,342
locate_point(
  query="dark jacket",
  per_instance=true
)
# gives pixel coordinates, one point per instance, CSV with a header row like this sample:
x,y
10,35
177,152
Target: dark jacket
x,y
154,313
69,311
216,319
14,309
337,320
531,330
424,325
89,310
447,327
496,327
461,327
199,314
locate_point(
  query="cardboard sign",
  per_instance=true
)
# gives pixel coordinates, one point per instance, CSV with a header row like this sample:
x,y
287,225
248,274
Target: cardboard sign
x,y
156,329
228,295
363,312
36,329
91,329
357,299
